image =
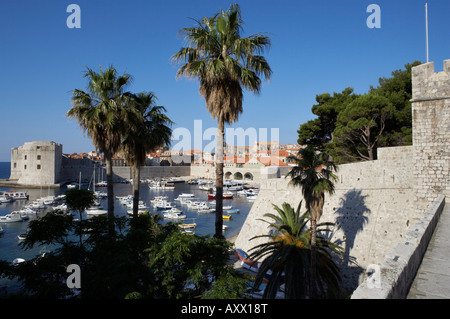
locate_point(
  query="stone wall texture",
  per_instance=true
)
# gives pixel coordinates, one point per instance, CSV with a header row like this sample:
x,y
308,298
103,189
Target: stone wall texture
x,y
376,203
431,133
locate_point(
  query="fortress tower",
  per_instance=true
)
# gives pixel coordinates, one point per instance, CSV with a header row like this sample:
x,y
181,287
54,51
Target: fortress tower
x,y
431,133
36,163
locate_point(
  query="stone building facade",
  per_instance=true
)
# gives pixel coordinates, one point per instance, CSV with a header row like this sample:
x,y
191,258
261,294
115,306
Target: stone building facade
x,y
36,163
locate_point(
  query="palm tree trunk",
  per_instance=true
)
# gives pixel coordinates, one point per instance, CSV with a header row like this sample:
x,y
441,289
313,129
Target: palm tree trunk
x,y
312,279
110,185
316,208
219,178
136,183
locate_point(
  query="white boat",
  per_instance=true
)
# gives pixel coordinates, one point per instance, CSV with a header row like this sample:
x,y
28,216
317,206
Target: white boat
x,y
17,261
6,199
10,218
163,205
36,204
173,215
96,211
22,236
15,195
187,226
28,211
48,201
186,195
100,194
159,199
62,207
161,186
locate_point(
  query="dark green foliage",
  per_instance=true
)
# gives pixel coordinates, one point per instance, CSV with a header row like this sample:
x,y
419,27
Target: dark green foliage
x,y
288,256
352,126
141,259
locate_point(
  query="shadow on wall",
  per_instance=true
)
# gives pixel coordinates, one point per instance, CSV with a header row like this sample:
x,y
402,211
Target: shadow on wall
x,y
351,218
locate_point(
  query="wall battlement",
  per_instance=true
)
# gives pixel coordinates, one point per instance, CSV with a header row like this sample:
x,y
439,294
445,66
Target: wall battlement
x,y
428,84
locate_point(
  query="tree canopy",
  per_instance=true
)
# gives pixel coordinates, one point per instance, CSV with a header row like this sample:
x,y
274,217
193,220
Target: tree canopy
x,y
352,126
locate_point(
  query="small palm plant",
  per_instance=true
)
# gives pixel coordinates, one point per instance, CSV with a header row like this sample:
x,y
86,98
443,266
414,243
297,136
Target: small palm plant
x,y
313,172
287,256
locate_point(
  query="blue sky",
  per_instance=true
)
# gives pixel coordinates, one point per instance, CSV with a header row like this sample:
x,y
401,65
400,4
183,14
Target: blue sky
x,y
317,47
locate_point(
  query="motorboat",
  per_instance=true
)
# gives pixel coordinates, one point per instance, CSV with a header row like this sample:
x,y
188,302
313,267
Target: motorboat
x,y
232,211
163,205
186,195
6,199
15,195
173,215
161,186
159,199
17,261
62,207
96,211
11,218
226,217
98,194
36,204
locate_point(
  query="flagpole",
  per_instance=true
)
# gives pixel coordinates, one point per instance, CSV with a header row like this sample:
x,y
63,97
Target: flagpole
x,y
426,26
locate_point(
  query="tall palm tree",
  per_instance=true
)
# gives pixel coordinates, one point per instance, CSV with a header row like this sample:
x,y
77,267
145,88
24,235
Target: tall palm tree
x,y
313,172
288,256
96,111
145,127
223,62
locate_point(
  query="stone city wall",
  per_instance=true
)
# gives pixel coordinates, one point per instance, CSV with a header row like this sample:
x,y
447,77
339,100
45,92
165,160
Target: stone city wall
x,y
372,208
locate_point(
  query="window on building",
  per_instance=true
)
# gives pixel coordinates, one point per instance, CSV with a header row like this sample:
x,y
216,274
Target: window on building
x,y
24,167
39,167
15,165
39,157
25,157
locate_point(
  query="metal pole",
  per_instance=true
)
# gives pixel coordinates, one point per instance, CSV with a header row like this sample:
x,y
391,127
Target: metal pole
x,y
426,26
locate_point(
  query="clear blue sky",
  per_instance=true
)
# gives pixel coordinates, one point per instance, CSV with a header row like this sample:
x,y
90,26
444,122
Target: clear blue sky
x,y
317,47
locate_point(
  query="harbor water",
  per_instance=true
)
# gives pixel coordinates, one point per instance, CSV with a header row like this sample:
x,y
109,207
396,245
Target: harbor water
x,y
9,242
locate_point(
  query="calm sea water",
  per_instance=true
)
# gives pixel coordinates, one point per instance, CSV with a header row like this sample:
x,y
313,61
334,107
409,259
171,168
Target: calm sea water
x,y
9,248
5,170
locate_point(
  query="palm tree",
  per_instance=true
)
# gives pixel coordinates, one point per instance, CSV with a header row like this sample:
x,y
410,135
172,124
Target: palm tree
x,y
96,111
288,256
314,174
145,127
223,62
